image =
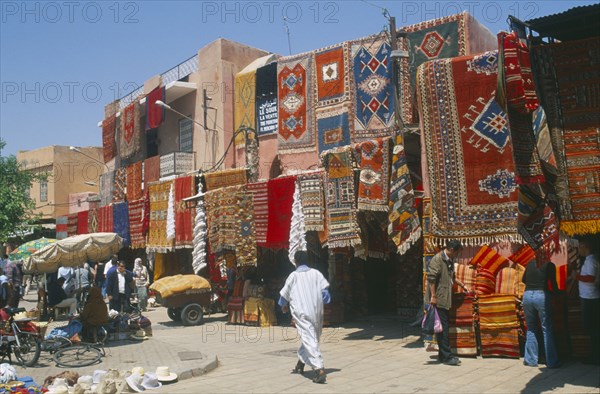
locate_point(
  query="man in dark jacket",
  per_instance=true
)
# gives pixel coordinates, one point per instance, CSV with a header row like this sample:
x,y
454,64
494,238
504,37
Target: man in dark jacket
x,y
57,298
118,288
440,276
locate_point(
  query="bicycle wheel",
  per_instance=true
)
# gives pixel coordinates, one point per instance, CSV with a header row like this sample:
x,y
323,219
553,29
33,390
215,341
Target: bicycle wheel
x,y
29,352
77,356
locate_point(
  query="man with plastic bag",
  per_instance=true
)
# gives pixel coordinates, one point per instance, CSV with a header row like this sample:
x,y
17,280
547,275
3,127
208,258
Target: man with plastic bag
x,y
438,292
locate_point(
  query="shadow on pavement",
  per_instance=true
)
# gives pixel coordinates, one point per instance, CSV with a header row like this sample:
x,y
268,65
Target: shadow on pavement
x,y
550,379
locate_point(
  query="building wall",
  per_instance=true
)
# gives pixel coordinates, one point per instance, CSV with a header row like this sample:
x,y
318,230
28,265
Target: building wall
x,y
67,171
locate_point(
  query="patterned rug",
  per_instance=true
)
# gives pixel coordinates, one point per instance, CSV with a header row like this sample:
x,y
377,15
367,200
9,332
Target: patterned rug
x,y
134,181
92,220
373,160
105,219
225,178
498,325
184,217
333,125
121,221
82,222
434,39
463,340
109,142
266,99
261,210
71,224
107,185
404,228
120,183
155,114
280,200
138,239
245,245
151,170
342,225
375,94
468,151
130,132
244,114
569,85
157,228
295,95
541,228
221,216
313,203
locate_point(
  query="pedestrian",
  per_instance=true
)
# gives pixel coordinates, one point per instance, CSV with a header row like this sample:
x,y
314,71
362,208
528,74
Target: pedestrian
x,y
304,293
83,280
14,273
438,292
537,305
95,313
69,275
118,288
589,292
109,264
57,297
140,272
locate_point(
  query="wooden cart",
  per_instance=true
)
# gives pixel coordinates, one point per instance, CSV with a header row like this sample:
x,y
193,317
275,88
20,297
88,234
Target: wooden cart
x,y
187,307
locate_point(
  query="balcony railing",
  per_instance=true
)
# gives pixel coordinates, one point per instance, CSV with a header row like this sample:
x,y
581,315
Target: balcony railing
x,y
176,73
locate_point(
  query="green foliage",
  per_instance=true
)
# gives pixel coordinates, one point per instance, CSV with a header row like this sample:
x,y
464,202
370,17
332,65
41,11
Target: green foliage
x,y
16,207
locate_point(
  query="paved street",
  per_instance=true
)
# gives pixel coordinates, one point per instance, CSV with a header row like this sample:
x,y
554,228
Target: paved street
x,y
379,354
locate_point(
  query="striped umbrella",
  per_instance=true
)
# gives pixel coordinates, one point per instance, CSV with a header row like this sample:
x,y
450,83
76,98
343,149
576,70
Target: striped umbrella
x,y
28,248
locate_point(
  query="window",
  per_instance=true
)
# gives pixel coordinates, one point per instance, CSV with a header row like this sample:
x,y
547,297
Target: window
x,y
43,190
185,135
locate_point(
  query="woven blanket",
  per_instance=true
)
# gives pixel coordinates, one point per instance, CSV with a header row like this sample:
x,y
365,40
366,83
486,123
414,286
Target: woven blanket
x,y
313,203
130,135
497,311
151,170
569,83
542,135
71,224
296,102
373,160
109,142
342,225
280,200
137,236
266,99
509,280
121,221
155,114
120,183
260,198
463,341
225,178
245,242
375,93
107,185
221,216
333,125
404,228
500,342
434,39
82,222
184,217
134,181
158,193
61,227
92,220
251,311
485,282
523,256
465,273
244,114
468,151
540,228
332,75
488,259
105,219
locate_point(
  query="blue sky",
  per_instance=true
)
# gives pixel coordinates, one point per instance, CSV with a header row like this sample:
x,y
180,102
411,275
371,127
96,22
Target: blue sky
x,y
62,61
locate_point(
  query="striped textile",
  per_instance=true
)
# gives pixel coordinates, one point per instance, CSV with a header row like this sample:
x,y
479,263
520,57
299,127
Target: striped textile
x,y
466,274
497,311
313,205
500,343
488,259
71,224
261,210
138,238
82,222
462,330
134,181
485,282
523,256
105,219
509,280
235,310
61,227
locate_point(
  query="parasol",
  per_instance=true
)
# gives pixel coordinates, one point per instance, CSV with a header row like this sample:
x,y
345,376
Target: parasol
x,y
30,247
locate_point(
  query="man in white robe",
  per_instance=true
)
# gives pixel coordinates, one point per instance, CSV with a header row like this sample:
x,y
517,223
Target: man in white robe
x,y
305,291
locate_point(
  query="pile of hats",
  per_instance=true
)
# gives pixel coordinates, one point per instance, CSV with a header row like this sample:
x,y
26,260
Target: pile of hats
x,y
113,381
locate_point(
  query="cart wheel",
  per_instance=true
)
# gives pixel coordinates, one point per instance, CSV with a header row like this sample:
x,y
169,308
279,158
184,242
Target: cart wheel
x,y
174,314
192,315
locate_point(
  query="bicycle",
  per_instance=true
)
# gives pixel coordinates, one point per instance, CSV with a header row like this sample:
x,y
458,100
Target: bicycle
x,y
21,338
68,353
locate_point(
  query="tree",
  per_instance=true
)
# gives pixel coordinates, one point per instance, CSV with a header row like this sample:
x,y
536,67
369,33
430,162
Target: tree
x,y
16,206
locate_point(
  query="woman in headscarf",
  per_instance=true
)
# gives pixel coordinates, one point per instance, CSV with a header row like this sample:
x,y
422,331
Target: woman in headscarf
x,y
95,313
140,273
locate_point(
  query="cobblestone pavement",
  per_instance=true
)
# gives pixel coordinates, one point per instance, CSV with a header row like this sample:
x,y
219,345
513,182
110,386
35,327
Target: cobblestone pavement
x,y
379,354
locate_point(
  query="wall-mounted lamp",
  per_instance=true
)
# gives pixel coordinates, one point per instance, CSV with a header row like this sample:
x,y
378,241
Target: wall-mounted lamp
x,y
167,106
